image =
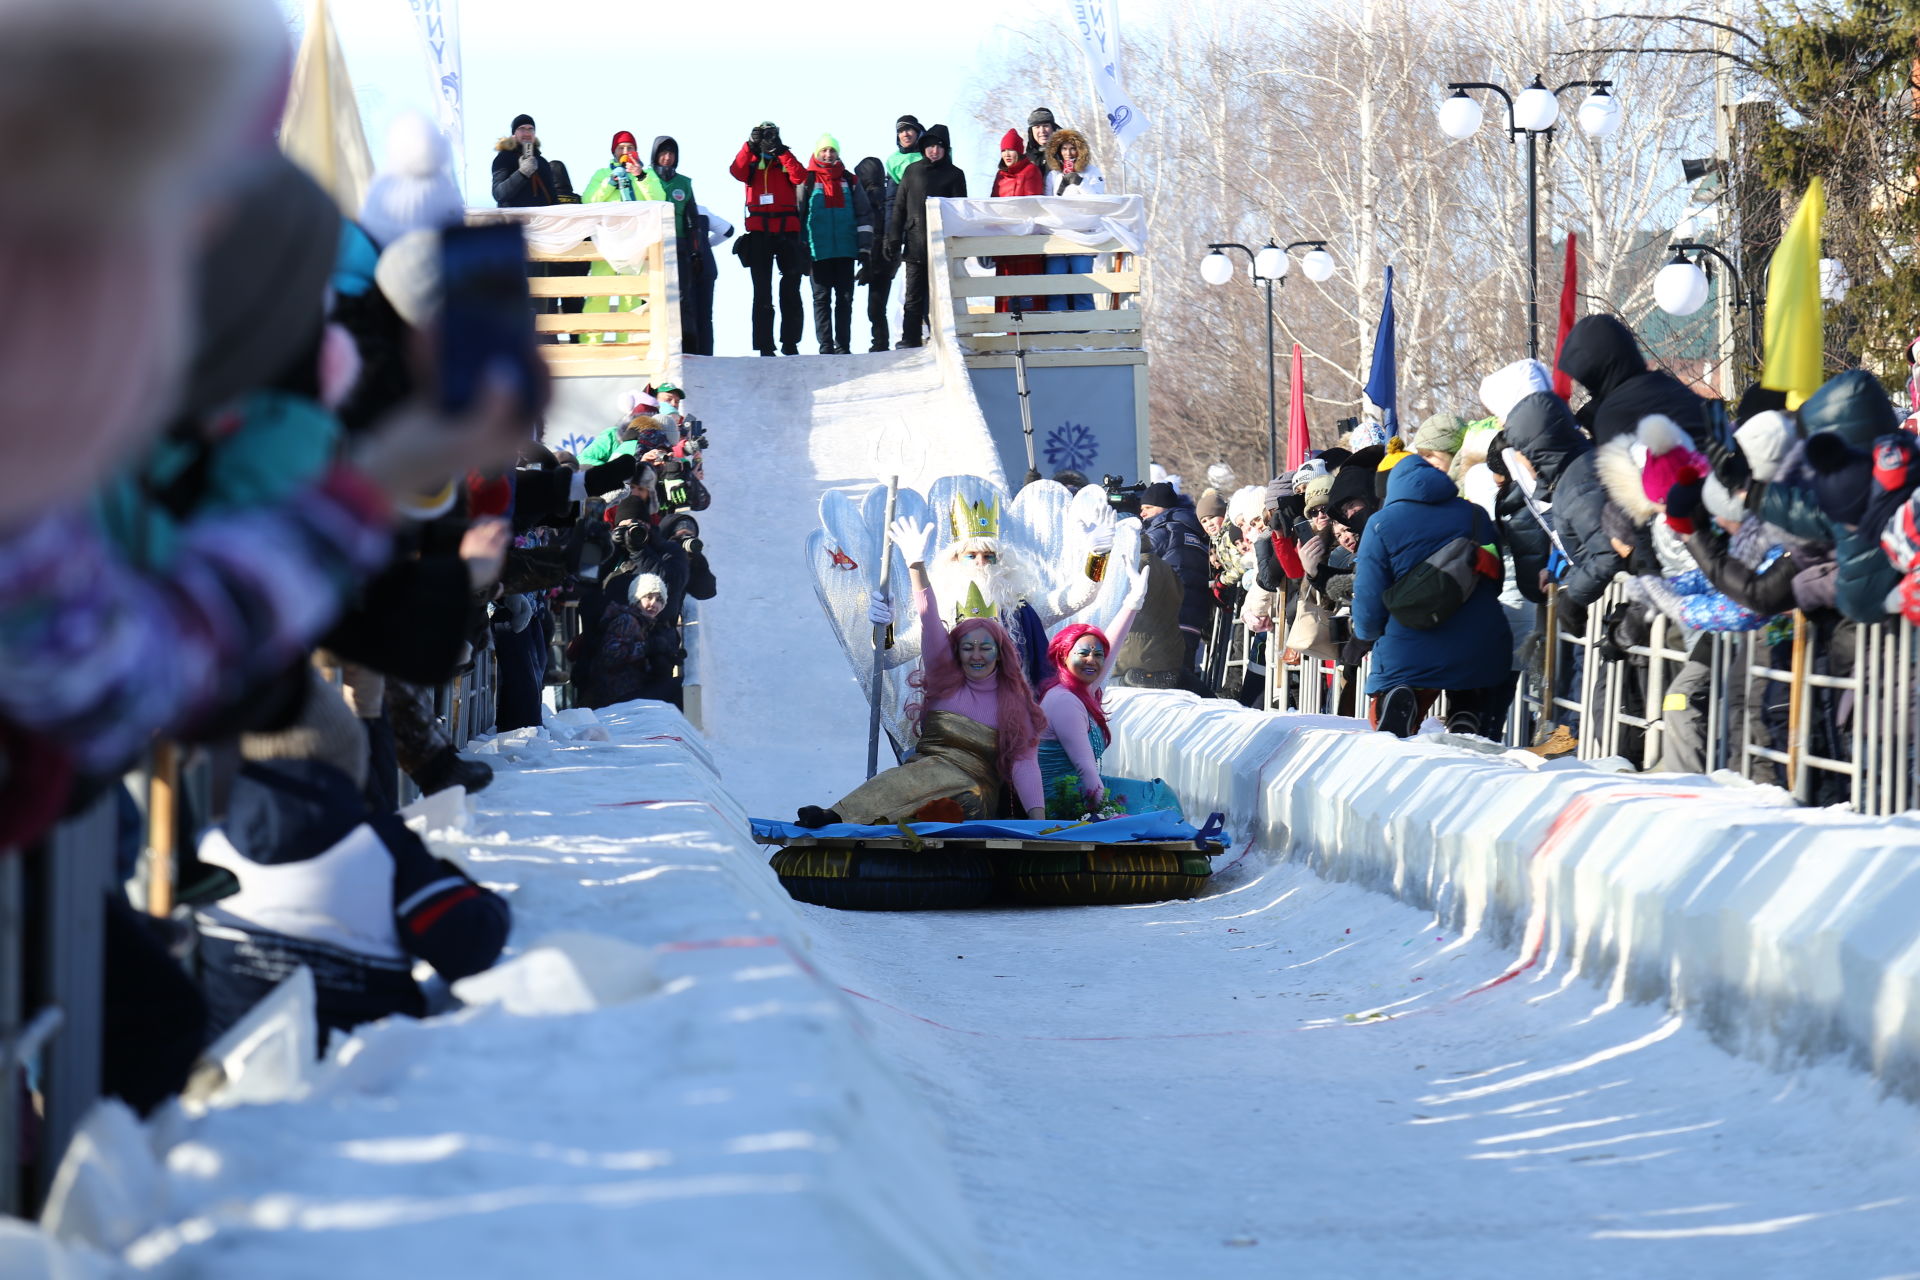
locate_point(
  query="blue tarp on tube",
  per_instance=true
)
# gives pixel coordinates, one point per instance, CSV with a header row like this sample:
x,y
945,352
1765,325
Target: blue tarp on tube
x,y
1167,825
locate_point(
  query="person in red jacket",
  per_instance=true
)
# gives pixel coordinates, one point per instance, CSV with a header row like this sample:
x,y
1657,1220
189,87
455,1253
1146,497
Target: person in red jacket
x,y
772,177
1018,176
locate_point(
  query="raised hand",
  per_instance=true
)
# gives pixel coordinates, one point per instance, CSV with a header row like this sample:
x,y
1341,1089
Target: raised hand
x,y
1137,578
914,539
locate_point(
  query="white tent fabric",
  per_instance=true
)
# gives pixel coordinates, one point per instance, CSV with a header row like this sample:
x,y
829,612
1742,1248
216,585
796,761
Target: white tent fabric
x,y
1087,220
623,232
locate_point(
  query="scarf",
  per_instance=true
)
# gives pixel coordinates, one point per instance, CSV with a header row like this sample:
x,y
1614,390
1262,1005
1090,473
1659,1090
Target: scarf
x,y
833,182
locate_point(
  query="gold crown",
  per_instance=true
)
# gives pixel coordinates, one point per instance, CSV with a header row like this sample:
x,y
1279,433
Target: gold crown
x,y
974,519
976,605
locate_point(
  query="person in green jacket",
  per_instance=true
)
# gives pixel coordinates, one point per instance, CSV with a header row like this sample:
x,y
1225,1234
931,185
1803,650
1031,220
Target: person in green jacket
x,y
664,181
906,131
619,180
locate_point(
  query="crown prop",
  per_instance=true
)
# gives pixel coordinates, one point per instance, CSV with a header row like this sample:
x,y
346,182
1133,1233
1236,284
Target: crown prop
x,y
974,519
976,605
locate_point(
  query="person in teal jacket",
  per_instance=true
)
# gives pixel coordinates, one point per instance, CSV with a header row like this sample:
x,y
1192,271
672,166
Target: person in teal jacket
x,y
837,220
663,180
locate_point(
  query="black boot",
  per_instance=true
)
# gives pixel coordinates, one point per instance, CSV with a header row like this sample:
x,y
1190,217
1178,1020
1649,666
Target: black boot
x,y
447,769
1400,712
812,817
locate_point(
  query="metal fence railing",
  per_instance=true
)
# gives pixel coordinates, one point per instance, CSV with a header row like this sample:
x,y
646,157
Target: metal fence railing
x,y
1848,697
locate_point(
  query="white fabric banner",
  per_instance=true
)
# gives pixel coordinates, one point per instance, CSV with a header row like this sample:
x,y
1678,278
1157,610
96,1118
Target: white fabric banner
x,y
622,232
1100,41
1087,220
439,25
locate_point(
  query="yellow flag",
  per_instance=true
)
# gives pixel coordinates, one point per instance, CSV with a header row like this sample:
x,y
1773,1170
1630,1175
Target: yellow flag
x,y
1796,347
321,130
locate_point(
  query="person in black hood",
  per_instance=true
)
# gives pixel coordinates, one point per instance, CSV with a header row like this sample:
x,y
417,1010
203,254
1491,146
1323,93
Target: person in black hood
x,y
1171,531
1603,356
876,273
1542,430
935,176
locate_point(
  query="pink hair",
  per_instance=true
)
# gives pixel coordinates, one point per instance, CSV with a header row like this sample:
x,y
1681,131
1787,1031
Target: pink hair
x,y
1057,651
1021,719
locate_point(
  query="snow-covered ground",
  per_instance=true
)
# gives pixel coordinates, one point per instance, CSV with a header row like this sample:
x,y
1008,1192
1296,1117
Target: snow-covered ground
x,y
1185,1089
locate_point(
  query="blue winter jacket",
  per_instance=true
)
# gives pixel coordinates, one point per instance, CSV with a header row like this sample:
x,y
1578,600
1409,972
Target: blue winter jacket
x,y
1176,537
1470,650
836,233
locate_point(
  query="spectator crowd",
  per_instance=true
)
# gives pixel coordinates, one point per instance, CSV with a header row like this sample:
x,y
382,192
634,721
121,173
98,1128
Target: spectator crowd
x,y
245,515
815,218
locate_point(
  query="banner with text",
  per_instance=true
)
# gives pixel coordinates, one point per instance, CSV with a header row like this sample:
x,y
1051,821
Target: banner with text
x,y
1100,41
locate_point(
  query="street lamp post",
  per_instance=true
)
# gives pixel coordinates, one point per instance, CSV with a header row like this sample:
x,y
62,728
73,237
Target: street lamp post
x,y
1269,266
1681,288
1533,112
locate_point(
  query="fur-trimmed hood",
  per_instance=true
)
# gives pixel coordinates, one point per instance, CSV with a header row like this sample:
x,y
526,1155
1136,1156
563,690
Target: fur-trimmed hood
x,y
1060,138
1626,478
1620,477
511,143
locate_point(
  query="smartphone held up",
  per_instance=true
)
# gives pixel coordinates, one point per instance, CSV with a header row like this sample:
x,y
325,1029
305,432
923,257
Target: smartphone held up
x,y
486,318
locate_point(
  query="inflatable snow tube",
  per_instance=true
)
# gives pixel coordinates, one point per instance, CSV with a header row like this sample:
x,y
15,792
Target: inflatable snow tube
x,y
885,879
1089,877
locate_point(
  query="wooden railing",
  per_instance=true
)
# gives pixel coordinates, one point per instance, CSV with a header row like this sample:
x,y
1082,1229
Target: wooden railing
x,y
1108,334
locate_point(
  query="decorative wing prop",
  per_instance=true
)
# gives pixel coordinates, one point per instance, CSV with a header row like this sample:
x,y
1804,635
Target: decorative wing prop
x,y
1044,530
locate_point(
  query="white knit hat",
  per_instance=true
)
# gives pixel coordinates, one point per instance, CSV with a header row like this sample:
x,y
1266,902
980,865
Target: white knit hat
x,y
647,584
1504,388
1765,439
414,190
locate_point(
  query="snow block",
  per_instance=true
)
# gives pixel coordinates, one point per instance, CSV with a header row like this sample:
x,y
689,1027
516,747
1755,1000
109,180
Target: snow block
x,y
702,1102
1789,934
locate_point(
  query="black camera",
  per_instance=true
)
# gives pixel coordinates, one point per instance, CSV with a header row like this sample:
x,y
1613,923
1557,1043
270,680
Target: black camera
x,y
1121,496
693,430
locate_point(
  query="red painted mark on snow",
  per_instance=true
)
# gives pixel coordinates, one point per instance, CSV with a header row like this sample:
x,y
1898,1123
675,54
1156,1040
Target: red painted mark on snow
x,y
1569,820
715,944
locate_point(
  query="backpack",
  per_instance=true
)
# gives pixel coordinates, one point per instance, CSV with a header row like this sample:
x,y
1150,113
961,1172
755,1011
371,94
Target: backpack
x,y
1433,590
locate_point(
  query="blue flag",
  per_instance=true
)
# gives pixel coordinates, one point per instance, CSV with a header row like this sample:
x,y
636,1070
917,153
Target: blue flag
x,y
1380,380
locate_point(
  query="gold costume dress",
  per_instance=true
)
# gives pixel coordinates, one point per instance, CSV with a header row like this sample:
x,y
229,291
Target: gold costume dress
x,y
956,759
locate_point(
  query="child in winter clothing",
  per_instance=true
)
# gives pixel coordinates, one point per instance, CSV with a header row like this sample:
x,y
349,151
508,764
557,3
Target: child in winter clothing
x,y
838,222
327,883
1018,176
637,650
876,273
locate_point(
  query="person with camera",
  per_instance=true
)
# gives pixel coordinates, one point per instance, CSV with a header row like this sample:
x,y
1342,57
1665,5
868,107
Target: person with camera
x,y
935,177
773,178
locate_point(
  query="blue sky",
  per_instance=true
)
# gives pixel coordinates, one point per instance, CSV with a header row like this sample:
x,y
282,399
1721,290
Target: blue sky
x,y
705,73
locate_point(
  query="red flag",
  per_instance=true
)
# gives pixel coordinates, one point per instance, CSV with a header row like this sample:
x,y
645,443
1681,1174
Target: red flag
x,y
1297,443
1569,285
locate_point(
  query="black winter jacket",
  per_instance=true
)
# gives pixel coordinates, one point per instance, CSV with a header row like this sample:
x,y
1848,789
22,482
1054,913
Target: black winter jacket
x,y
515,190
907,223
881,190
1541,428
1602,355
1176,537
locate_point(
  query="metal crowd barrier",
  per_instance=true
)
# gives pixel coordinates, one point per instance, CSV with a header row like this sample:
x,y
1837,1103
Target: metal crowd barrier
x,y
1879,700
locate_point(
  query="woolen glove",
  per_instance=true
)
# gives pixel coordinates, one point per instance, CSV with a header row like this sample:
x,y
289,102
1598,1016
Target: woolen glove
x,y
879,611
529,166
610,475
1137,580
914,539
1683,506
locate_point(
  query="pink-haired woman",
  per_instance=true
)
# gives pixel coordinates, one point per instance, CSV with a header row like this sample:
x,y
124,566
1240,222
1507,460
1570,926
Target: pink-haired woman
x,y
978,723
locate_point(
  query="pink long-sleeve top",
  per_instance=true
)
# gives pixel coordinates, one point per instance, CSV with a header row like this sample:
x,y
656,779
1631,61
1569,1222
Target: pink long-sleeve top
x,y
977,700
1067,720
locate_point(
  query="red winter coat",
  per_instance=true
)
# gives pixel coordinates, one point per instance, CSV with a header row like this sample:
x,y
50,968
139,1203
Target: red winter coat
x,y
1024,179
770,189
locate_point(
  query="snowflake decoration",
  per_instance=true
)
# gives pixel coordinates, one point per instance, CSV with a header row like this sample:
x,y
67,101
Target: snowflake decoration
x,y
576,444
1071,446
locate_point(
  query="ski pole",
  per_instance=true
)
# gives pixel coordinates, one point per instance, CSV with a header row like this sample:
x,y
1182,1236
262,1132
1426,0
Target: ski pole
x,y
880,636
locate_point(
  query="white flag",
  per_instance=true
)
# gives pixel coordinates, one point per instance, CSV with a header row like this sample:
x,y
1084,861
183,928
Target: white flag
x,y
1100,42
439,23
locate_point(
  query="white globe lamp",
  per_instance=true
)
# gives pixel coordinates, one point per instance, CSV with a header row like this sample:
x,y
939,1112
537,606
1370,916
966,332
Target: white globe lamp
x,y
1271,263
1681,288
1536,109
1318,264
1460,116
1216,268
1600,115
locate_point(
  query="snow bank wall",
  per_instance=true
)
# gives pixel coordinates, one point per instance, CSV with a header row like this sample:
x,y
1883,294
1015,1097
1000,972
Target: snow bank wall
x,y
1788,933
687,1097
